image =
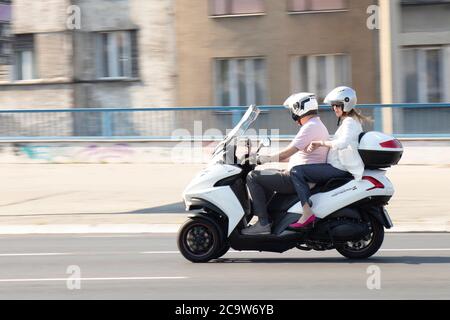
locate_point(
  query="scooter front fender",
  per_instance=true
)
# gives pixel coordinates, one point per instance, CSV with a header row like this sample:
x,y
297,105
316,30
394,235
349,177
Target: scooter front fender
x,y
222,198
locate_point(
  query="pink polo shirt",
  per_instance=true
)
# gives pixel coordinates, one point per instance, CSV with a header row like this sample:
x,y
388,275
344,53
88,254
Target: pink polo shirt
x,y
313,130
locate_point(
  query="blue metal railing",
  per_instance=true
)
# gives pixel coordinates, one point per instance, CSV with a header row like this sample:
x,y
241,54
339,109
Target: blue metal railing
x,y
174,123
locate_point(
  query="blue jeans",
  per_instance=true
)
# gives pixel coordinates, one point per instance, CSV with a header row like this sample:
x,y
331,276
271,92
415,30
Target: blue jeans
x,y
313,173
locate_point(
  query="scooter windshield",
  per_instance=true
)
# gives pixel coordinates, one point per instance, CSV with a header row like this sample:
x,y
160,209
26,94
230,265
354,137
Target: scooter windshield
x,y
249,117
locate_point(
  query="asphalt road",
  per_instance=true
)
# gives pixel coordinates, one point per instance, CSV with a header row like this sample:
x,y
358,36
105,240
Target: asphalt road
x,y
409,266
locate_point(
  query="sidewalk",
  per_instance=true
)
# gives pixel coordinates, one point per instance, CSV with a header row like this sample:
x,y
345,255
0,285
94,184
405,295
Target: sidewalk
x,y
136,198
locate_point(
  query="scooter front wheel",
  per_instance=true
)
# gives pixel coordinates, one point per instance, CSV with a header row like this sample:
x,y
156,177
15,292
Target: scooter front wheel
x,y
200,240
223,251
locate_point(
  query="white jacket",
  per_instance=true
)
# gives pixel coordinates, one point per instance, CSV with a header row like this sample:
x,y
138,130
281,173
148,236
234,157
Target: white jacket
x,y
344,154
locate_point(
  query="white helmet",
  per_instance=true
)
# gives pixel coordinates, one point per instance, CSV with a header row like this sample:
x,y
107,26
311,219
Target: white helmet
x,y
342,95
300,104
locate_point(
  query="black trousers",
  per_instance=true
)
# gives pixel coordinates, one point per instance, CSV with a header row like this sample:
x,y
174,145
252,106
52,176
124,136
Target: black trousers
x,y
262,184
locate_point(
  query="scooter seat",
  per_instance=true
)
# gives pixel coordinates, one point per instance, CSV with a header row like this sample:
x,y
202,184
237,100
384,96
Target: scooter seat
x,y
282,202
331,185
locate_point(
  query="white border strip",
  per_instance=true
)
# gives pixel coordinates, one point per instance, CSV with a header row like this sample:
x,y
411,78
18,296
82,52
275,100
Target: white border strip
x,y
33,254
92,279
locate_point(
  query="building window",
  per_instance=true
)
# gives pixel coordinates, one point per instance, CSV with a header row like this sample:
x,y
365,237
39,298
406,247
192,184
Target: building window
x,y
5,30
5,40
24,57
320,73
314,5
232,7
240,82
116,54
423,75
5,50
5,11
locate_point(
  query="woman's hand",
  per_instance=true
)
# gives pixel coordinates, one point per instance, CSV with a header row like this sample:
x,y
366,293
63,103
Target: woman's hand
x,y
313,146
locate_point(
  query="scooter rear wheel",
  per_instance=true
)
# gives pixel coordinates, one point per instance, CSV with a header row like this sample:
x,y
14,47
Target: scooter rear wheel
x,y
200,240
365,248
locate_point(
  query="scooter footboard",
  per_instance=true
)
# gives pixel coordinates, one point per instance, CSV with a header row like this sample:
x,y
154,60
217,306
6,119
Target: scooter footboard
x,y
268,243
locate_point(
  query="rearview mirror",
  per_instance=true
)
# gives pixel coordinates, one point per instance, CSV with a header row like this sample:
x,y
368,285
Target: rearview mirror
x,y
266,142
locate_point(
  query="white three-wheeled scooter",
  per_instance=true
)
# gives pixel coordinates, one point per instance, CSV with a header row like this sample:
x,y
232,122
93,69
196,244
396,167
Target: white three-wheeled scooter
x,y
352,214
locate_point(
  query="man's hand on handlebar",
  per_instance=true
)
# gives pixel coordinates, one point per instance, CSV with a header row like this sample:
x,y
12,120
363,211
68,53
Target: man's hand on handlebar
x,y
262,159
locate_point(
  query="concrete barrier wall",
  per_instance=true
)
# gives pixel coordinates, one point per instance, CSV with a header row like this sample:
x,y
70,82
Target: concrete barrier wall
x,y
416,152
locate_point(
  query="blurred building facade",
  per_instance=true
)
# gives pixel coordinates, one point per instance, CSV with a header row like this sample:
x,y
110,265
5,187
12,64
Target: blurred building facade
x,y
234,52
83,53
153,53
415,63
135,53
421,45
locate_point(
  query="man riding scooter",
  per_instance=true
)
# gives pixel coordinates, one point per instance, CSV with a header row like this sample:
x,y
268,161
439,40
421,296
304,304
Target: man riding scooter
x,y
261,184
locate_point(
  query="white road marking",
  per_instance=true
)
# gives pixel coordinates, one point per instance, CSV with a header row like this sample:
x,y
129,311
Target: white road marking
x,y
33,254
108,236
159,252
91,279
